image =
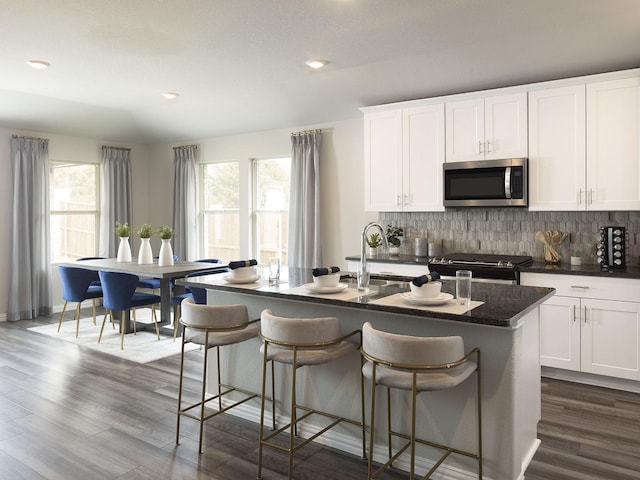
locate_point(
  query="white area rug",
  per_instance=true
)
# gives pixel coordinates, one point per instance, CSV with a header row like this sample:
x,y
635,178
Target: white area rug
x,y
142,348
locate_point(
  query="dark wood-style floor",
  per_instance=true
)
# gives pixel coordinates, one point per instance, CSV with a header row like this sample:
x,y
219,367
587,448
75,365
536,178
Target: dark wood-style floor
x,y
67,412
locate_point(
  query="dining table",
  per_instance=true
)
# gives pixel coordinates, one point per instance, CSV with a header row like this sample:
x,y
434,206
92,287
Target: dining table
x,y
164,273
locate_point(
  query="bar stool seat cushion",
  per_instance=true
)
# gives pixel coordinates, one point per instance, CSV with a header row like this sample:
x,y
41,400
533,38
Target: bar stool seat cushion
x,y
415,351
300,331
234,319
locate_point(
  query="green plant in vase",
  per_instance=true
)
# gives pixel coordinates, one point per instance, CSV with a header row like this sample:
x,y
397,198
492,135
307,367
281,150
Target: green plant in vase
x,y
374,241
165,232
123,229
394,235
145,230
145,255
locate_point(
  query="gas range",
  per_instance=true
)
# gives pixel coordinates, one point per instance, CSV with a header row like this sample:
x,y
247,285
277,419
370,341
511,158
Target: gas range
x,y
484,267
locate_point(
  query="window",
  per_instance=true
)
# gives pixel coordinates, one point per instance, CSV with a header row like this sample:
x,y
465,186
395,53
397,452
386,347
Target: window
x,y
74,200
231,227
271,208
220,219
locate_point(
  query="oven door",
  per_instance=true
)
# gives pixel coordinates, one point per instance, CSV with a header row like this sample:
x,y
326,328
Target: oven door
x,y
485,280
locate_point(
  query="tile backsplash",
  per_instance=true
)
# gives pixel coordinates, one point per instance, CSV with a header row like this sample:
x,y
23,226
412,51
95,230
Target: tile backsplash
x,y
512,230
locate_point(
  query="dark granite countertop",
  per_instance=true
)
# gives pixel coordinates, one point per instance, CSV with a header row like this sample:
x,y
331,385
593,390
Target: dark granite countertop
x,y
503,304
592,270
563,268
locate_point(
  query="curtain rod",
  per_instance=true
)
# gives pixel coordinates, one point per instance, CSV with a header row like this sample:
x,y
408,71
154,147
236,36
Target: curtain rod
x,y
30,138
115,148
186,146
303,132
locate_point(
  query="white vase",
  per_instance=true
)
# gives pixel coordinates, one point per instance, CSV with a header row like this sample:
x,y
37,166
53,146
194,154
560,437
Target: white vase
x,y
145,255
166,253
372,251
124,250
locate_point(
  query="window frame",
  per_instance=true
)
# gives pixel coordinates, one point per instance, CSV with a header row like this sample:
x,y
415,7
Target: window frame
x,y
54,212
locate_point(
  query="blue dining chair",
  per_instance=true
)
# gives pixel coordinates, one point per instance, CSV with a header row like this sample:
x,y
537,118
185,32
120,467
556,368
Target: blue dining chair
x,y
153,283
120,295
76,287
96,281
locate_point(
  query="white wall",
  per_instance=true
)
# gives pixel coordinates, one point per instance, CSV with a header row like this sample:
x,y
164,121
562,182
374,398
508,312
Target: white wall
x,y
68,148
342,190
341,167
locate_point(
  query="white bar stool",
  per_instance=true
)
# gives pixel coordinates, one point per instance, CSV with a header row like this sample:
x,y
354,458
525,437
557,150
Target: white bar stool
x,y
212,326
303,342
417,364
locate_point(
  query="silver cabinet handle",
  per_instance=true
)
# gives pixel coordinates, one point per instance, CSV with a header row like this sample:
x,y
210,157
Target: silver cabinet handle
x,y
579,196
488,146
574,314
406,200
480,146
591,196
582,287
398,199
585,314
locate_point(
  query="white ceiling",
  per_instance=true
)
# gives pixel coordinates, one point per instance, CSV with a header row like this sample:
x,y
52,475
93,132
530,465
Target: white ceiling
x,y
239,64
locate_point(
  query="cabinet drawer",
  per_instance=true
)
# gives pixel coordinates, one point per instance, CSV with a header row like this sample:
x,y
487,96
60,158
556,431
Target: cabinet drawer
x,y
622,289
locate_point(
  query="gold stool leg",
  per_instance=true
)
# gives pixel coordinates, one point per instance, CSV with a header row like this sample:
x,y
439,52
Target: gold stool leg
x,y
372,421
204,388
180,392
264,387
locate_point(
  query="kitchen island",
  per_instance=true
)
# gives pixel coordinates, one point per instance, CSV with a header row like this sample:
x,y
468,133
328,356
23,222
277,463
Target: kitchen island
x,y
503,323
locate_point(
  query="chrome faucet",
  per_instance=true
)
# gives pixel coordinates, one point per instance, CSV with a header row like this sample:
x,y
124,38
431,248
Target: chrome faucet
x,y
363,251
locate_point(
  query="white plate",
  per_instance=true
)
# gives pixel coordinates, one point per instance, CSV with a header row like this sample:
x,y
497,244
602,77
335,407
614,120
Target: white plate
x,y
251,279
312,287
439,300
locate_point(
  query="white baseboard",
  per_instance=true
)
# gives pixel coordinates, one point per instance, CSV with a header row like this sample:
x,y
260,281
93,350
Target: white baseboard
x,y
3,317
591,379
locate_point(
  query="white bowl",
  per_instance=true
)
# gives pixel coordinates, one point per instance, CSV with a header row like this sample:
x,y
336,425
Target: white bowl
x,y
426,290
243,272
329,280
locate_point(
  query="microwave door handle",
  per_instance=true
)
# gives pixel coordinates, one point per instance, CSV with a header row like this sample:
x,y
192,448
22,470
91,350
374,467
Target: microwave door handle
x,y
507,182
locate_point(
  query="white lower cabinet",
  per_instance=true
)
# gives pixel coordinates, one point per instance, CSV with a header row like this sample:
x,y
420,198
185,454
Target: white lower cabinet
x,y
591,325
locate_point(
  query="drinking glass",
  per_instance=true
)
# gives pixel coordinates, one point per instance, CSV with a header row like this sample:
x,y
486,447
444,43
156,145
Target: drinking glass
x,y
463,287
274,271
363,278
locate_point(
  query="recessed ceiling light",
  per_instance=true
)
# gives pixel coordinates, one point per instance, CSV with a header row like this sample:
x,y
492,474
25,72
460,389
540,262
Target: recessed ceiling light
x,y
38,64
170,95
315,64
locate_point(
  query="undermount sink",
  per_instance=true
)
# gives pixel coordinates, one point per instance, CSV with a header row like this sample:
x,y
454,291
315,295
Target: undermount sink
x,y
377,282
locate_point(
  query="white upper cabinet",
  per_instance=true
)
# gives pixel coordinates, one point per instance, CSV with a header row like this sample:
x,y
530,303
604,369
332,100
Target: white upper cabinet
x,y
613,138
557,151
487,128
584,147
383,161
404,153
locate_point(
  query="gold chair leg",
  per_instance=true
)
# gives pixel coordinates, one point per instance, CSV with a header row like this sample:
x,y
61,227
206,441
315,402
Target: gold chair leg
x,y
134,322
77,319
93,301
122,317
64,308
176,322
155,320
107,312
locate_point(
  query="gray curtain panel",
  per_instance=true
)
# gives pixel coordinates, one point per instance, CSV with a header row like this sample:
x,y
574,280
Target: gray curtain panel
x,y
30,282
305,249
185,206
115,203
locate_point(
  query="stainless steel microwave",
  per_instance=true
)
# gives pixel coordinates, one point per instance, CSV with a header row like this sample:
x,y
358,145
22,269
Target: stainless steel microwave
x,y
488,183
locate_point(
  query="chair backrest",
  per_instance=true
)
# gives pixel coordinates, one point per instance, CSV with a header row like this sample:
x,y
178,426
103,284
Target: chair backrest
x,y
299,331
199,295
75,282
213,316
118,289
410,350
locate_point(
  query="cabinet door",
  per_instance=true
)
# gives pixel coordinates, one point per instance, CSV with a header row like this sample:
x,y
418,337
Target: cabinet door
x,y
613,150
465,131
423,131
383,161
611,338
560,333
557,154
505,126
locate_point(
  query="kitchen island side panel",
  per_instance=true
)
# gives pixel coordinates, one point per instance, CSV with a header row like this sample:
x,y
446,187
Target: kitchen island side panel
x,y
510,390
